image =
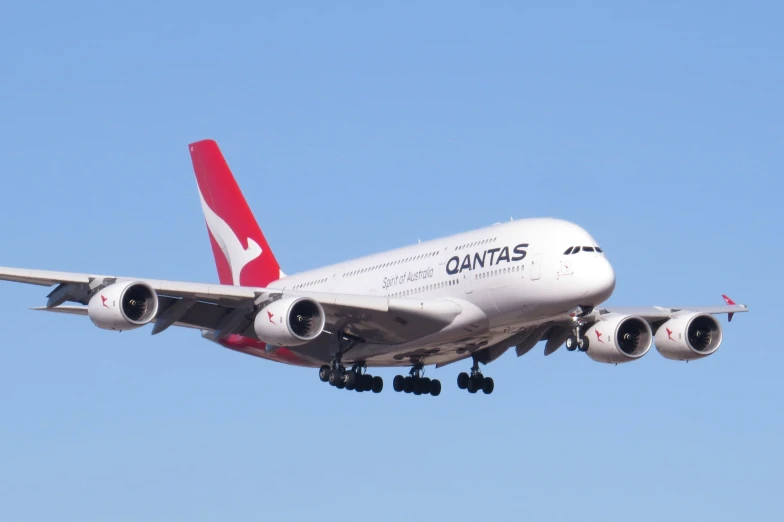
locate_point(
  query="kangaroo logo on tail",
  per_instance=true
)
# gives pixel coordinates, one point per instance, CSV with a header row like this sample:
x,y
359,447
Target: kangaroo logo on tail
x,y
237,256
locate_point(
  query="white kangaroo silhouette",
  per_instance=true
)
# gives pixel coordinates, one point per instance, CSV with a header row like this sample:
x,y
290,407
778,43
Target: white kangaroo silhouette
x,y
229,243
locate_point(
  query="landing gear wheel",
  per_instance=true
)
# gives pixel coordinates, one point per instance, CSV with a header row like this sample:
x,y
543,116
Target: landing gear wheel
x,y
462,381
378,384
417,386
435,387
424,385
583,344
397,383
324,373
367,382
488,385
335,377
408,384
340,385
350,380
571,343
473,385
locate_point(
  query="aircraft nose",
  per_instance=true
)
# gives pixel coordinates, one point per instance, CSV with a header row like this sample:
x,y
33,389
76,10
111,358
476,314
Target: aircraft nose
x,y
601,280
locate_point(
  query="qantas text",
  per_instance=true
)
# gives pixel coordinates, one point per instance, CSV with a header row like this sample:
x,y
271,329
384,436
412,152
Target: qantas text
x,y
490,257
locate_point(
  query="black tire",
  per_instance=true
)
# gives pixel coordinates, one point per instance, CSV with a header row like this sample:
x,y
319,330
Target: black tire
x,y
424,385
334,377
488,385
340,385
583,344
324,373
378,384
350,380
367,382
417,386
462,380
408,384
397,383
435,387
571,343
473,385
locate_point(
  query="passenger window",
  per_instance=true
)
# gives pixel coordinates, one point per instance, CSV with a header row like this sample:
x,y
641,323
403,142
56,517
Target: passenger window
x,y
568,251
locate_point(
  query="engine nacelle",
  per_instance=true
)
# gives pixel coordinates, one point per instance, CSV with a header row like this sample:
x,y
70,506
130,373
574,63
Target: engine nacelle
x,y
123,306
290,321
618,338
689,336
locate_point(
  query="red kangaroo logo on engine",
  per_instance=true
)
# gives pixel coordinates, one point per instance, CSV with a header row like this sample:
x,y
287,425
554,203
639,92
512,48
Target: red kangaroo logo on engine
x,y
103,301
599,336
669,334
270,314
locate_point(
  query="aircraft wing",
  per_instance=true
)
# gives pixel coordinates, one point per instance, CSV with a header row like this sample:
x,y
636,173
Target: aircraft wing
x,y
653,314
227,309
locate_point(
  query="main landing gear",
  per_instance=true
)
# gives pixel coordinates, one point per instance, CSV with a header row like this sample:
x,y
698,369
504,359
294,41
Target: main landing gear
x,y
476,381
417,384
356,378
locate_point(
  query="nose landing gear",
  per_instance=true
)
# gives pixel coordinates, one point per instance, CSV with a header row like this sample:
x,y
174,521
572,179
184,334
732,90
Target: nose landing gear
x,y
577,341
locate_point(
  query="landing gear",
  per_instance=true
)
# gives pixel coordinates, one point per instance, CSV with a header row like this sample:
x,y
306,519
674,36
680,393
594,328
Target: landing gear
x,y
476,381
417,384
577,341
356,378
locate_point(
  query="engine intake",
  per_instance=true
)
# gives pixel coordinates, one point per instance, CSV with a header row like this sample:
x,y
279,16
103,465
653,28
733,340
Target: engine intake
x,y
618,338
290,321
123,306
688,337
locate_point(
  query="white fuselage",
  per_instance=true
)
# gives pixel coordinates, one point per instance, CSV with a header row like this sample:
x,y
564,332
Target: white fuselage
x,y
511,276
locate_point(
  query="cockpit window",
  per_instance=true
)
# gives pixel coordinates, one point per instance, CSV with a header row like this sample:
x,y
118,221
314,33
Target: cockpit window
x,y
568,251
587,249
576,249
599,250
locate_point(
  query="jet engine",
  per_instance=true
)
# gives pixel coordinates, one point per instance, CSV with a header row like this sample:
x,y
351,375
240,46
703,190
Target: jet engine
x,y
618,338
123,306
689,336
290,321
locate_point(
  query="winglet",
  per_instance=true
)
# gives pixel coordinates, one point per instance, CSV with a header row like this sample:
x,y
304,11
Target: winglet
x,y
729,302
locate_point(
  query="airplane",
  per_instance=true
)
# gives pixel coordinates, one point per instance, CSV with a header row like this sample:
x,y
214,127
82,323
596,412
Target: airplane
x,y
470,296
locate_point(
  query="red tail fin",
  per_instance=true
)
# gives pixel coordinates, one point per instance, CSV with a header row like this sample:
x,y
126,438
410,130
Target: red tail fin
x,y
242,255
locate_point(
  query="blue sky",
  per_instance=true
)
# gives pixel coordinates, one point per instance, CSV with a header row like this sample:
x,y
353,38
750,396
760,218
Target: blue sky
x,y
354,128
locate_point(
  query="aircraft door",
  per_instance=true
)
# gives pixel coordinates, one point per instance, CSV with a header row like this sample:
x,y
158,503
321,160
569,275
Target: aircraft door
x,y
536,267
